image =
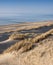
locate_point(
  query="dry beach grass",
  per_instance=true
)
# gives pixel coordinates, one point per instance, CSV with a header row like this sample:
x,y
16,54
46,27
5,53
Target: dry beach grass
x,y
27,44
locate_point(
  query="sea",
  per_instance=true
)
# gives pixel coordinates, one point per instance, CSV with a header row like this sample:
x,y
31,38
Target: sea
x,y
21,19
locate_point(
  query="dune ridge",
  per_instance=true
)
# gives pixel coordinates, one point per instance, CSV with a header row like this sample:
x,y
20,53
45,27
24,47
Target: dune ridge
x,y
27,44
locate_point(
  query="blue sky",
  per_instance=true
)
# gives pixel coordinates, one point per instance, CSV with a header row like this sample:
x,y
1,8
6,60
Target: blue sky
x,y
19,8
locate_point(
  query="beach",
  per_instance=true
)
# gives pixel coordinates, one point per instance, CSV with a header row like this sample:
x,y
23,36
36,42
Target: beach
x,y
27,43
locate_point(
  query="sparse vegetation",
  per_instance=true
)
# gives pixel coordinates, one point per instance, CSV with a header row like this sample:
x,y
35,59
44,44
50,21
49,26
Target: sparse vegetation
x,y
27,44
18,36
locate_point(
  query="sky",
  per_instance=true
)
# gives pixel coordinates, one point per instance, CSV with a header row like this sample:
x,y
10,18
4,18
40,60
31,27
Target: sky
x,y
25,8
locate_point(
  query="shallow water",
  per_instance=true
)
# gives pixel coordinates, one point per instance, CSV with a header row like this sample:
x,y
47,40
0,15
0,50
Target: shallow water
x,y
25,18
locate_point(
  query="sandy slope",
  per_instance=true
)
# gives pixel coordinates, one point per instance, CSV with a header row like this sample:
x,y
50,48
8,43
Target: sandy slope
x,y
6,57
41,54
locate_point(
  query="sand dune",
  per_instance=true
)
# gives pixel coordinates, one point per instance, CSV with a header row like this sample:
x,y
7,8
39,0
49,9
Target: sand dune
x,y
27,44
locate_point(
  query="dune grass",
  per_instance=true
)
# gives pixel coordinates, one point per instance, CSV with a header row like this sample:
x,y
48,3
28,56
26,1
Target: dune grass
x,y
26,44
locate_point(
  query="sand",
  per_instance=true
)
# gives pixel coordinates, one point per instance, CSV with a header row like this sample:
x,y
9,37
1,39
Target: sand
x,y
40,54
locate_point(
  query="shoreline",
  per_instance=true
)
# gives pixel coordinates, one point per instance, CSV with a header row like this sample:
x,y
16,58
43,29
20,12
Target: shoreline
x,y
25,22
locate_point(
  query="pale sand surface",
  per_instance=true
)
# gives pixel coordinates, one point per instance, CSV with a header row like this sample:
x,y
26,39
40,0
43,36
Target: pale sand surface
x,y
41,54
